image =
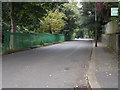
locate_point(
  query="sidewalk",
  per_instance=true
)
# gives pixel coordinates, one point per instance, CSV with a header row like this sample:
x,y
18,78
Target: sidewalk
x,y
103,68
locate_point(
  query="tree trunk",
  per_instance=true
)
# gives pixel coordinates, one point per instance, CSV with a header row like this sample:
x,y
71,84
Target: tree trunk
x,y
50,29
13,23
13,26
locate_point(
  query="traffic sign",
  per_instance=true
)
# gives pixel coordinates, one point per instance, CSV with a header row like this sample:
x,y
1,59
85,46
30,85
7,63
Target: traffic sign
x,y
114,11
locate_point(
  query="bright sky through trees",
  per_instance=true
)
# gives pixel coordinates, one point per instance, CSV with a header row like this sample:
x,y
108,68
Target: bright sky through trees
x,y
79,5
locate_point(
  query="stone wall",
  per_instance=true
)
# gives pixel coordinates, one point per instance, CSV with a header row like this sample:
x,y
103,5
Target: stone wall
x,y
111,27
112,37
112,41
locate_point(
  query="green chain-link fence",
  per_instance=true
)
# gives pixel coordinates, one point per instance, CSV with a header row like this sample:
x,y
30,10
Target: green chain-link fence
x,y
26,40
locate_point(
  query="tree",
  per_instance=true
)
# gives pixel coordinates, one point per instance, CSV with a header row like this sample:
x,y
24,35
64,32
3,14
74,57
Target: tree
x,y
13,22
53,22
107,7
26,14
6,21
102,14
87,20
73,14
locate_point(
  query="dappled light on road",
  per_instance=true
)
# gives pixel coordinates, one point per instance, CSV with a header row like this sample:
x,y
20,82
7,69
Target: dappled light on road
x,y
84,39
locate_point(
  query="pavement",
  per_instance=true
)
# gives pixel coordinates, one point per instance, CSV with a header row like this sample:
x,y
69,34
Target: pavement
x,y
62,65
103,68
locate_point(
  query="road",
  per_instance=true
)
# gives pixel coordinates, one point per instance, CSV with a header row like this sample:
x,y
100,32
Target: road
x,y
62,65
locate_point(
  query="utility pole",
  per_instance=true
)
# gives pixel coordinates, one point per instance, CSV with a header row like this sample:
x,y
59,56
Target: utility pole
x,y
96,31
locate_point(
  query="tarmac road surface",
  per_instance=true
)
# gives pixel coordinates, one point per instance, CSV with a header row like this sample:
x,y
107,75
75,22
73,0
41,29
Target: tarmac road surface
x,y
62,65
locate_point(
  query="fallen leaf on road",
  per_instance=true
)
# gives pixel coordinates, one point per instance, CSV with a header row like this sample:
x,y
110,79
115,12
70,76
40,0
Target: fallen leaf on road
x,y
85,75
106,72
96,70
64,81
50,75
80,80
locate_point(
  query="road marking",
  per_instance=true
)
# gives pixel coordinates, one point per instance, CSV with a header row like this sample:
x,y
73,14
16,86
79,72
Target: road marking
x,y
91,71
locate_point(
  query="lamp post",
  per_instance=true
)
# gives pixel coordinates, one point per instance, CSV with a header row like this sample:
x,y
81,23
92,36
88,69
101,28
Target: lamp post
x,y
96,31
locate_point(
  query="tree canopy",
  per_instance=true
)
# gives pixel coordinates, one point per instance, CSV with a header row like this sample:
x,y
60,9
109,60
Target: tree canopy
x,y
26,14
52,16
53,22
73,14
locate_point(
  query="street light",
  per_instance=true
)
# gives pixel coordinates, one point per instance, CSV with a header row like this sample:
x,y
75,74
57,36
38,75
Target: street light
x,y
95,26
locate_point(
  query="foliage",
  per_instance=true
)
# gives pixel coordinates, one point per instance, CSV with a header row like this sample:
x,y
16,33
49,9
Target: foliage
x,y
73,14
107,7
26,14
53,22
102,15
87,21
